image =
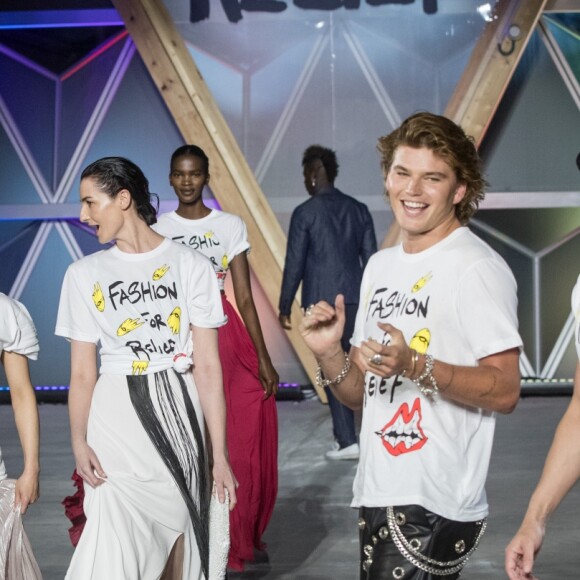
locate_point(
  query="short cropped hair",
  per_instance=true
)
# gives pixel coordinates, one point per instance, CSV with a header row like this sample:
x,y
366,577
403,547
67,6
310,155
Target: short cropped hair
x,y
191,151
327,158
449,142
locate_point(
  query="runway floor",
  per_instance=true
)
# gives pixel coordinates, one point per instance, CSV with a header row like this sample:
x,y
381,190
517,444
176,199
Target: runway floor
x,y
313,533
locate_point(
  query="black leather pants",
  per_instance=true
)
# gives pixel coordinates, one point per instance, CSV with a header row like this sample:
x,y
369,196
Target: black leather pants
x,y
432,535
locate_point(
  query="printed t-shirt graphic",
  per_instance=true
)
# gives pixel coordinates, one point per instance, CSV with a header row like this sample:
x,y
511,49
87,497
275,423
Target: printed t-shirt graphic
x,y
220,236
141,305
403,433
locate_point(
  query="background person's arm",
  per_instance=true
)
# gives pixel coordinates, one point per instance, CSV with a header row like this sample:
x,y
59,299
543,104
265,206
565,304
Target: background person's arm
x,y
561,471
27,425
207,372
294,266
369,241
83,378
245,302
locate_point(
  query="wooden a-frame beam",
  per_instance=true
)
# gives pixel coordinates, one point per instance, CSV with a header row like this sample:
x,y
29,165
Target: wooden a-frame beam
x,y
200,121
492,64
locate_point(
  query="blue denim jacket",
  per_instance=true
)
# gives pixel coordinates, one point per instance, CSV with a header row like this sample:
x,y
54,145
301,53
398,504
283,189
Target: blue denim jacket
x,y
330,240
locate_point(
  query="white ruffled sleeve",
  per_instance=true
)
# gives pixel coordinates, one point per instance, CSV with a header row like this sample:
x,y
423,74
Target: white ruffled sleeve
x,y
17,330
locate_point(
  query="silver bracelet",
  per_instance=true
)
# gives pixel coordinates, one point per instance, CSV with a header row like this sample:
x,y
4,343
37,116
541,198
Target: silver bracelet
x,y
426,382
338,379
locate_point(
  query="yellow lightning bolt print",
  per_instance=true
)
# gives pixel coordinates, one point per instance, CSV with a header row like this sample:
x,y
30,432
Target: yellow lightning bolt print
x,y
140,366
129,325
160,272
420,342
421,282
98,297
174,320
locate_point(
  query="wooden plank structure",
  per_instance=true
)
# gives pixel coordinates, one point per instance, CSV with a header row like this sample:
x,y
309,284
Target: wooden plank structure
x,y
562,6
492,64
200,121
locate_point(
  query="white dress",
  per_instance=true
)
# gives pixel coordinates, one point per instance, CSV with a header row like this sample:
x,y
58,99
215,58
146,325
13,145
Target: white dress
x,y
17,562
145,422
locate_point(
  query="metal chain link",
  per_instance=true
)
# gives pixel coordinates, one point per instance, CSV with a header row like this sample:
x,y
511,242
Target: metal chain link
x,y
424,562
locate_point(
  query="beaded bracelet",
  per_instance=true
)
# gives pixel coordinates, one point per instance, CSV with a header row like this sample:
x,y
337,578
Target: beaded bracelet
x,y
432,388
338,379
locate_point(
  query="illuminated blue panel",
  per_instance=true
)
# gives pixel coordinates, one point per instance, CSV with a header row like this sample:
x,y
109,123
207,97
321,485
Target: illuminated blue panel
x,y
59,19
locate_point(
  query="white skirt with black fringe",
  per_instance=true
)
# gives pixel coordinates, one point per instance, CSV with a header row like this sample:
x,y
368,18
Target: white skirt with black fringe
x,y
150,445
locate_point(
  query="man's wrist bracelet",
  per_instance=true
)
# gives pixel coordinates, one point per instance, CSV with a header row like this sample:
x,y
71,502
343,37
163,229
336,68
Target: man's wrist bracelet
x,y
426,382
414,359
338,379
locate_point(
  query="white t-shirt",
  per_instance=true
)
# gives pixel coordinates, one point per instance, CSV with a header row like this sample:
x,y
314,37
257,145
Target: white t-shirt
x,y
221,236
457,301
576,311
139,306
17,334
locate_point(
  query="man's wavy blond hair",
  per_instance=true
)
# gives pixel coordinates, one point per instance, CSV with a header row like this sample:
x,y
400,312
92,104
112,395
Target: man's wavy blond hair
x,y
449,142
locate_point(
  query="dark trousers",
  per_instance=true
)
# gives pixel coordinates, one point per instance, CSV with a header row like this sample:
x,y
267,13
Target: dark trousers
x,y
343,426
434,536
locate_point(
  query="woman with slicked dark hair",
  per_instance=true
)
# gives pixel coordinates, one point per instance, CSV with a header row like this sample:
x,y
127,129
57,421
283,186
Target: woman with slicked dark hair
x,y
137,424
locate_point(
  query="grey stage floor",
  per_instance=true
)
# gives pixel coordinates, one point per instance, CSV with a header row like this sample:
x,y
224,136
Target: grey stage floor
x,y
313,532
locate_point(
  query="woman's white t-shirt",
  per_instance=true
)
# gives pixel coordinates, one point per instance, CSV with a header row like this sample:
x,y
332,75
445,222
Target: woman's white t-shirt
x,y
139,306
220,236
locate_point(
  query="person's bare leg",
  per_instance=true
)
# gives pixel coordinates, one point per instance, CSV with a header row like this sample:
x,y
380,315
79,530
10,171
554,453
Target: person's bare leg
x,y
174,568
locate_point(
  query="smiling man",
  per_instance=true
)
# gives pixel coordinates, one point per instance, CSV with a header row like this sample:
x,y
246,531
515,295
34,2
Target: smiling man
x,y
435,352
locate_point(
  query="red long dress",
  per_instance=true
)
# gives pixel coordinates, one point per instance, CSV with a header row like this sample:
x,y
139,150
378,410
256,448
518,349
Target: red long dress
x,y
252,437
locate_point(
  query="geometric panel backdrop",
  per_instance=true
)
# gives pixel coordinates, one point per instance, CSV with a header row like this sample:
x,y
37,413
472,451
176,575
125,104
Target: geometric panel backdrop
x,y
73,88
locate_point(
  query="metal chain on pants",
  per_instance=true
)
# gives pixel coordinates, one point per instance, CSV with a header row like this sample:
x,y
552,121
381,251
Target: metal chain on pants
x,y
423,562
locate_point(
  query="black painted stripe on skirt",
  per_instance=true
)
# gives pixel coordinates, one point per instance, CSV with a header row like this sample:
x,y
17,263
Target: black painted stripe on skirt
x,y
184,460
